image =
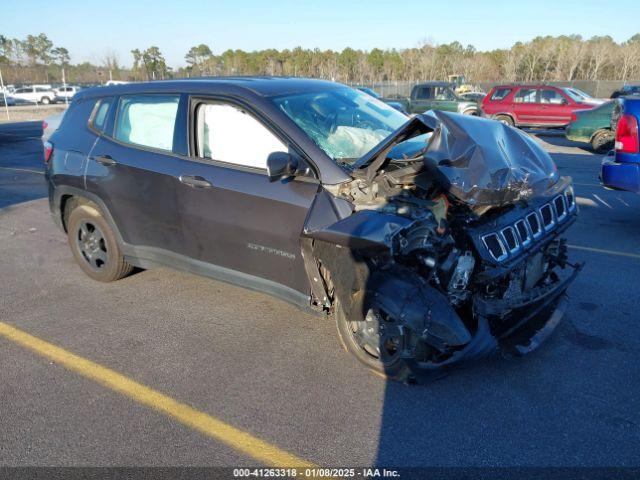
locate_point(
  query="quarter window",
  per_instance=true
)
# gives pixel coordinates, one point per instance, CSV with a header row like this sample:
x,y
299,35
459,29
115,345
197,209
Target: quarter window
x,y
100,117
526,95
147,120
229,134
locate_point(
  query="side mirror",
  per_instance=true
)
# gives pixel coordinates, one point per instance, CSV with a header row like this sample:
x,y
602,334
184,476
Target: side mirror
x,y
281,165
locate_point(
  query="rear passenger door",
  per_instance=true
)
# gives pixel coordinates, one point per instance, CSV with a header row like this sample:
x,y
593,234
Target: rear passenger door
x,y
133,169
525,106
233,216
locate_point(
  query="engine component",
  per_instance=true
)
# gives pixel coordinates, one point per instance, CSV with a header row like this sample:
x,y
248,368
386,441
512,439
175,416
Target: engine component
x,y
458,292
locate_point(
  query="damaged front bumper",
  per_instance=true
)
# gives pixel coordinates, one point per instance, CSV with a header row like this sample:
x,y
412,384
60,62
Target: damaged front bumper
x,y
514,326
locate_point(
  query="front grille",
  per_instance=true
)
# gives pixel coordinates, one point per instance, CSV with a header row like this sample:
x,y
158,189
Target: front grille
x,y
509,236
561,210
534,224
523,232
571,199
547,216
495,247
513,238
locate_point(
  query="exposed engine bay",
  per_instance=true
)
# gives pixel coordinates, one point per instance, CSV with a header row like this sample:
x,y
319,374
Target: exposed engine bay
x,y
446,245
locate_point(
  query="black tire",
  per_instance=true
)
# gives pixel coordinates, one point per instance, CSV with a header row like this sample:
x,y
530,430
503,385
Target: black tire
x,y
391,367
94,245
602,141
45,101
506,119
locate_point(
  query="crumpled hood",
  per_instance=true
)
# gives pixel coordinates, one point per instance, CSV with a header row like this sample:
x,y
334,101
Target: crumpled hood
x,y
480,162
484,162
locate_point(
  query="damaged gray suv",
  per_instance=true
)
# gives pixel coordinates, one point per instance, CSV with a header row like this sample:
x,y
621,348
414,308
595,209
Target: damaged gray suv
x,y
431,240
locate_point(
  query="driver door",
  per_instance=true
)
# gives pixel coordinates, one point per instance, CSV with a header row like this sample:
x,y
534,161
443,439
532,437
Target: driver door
x,y
233,217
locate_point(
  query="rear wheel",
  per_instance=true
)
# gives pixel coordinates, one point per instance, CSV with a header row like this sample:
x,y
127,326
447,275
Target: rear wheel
x,y
94,245
506,119
602,141
45,101
377,340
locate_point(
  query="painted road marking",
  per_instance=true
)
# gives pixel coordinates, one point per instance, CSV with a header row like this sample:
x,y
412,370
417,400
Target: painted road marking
x,y
602,201
208,425
602,250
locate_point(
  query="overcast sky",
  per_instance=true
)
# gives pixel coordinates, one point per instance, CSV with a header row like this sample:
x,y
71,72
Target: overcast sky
x,y
88,29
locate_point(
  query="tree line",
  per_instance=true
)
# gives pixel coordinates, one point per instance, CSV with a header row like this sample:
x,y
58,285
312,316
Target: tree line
x,y
560,58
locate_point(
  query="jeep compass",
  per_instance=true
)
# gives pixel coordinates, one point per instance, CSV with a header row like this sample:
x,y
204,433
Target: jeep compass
x,y
431,240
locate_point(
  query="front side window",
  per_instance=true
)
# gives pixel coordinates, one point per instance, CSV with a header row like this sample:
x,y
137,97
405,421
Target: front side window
x,y
548,95
343,122
526,95
147,120
444,93
229,134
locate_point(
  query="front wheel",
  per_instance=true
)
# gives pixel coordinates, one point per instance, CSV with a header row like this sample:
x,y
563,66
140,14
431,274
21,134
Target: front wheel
x,y
45,101
94,245
377,340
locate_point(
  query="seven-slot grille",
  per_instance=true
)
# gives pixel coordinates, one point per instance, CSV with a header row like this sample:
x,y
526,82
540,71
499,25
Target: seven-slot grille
x,y
524,231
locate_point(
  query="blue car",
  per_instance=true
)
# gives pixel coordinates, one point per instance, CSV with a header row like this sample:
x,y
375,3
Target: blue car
x,y
621,168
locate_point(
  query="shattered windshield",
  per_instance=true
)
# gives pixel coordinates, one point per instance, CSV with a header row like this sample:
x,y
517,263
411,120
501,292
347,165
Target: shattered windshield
x,y
345,123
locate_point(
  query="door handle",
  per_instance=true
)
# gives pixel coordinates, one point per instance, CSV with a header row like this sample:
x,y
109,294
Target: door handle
x,y
194,181
105,160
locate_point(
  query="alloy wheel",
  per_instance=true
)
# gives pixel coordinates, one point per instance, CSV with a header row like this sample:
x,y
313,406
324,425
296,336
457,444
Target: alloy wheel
x,y
92,245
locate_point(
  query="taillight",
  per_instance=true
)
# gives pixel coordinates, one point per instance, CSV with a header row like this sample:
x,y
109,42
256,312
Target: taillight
x,y
574,117
44,125
48,150
627,134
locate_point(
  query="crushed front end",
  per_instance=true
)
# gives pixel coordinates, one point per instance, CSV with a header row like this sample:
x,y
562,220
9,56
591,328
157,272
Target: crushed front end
x,y
447,253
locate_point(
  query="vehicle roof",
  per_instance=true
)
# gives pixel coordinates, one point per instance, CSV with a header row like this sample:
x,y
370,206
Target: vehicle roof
x,y
261,86
434,84
528,85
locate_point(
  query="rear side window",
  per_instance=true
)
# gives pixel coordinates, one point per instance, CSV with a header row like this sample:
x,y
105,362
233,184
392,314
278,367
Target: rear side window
x,y
500,93
526,95
100,116
147,120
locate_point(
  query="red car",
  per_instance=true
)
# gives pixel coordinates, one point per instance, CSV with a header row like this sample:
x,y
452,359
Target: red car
x,y
531,105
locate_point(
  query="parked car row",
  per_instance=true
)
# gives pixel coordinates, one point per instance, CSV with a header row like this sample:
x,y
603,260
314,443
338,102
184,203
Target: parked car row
x,y
43,94
516,105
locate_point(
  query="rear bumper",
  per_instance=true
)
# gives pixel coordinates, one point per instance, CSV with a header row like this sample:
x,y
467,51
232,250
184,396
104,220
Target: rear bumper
x,y
621,175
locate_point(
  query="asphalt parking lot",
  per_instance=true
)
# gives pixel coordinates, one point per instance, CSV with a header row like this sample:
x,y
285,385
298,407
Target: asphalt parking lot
x,y
258,365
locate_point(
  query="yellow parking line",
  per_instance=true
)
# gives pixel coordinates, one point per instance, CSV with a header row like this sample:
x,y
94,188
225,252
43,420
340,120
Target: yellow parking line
x,y
602,250
210,426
